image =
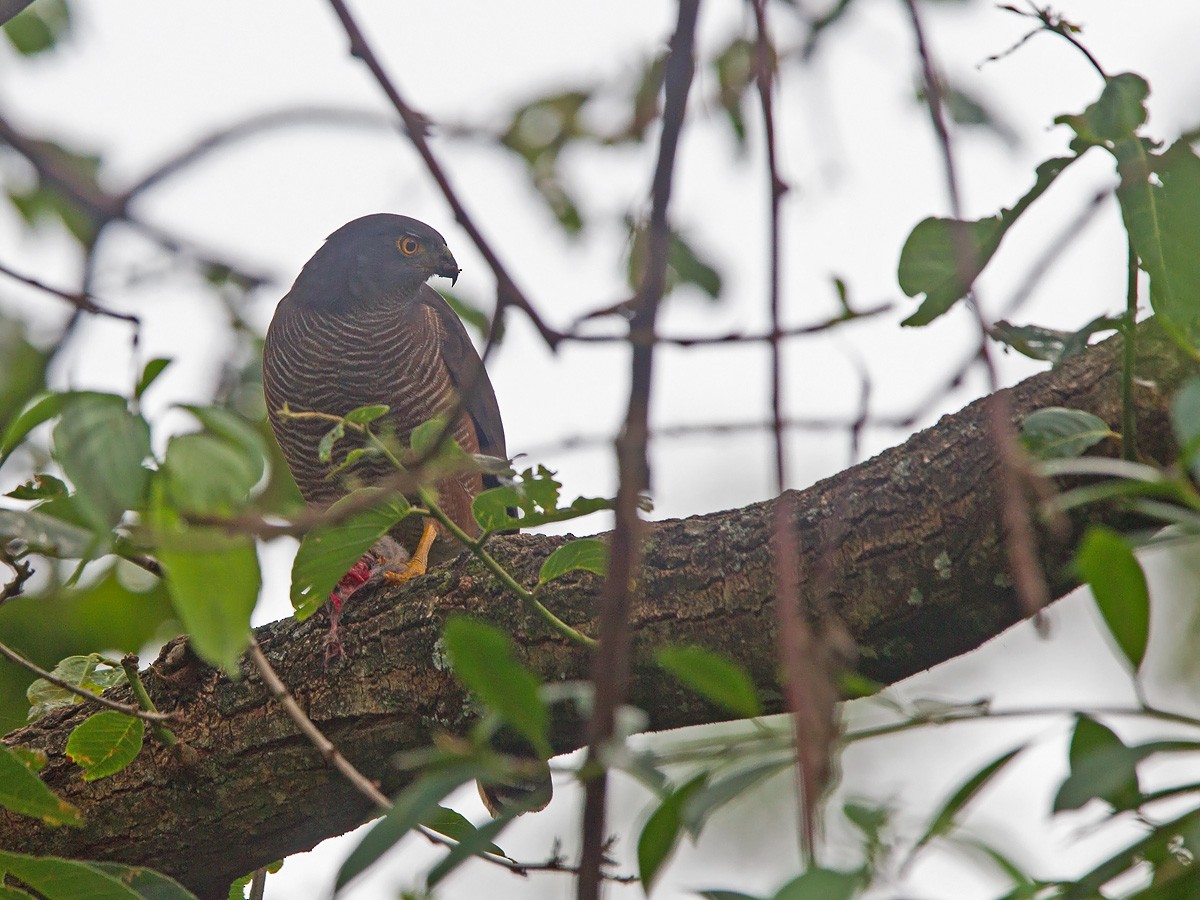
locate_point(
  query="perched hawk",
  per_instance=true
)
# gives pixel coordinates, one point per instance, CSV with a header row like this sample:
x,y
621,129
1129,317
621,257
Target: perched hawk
x,y
361,327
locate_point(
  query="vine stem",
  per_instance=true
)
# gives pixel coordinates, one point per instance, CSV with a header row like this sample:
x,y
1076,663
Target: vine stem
x,y
527,597
100,700
129,664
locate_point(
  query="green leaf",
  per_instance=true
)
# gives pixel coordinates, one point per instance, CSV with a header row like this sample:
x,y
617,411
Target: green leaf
x,y
482,657
328,551
1174,296
45,201
535,496
82,672
42,410
416,803
45,534
588,554
967,791
457,827
150,374
1106,562
430,441
735,72
1102,768
21,791
365,415
205,475
713,676
473,844
728,895
1049,344
491,507
822,884
660,834
1185,422
684,264
1161,840
1160,205
213,579
39,27
105,743
65,879
39,487
101,447
715,795
942,257
150,885
235,430
1057,432
1115,116
214,590
537,133
22,374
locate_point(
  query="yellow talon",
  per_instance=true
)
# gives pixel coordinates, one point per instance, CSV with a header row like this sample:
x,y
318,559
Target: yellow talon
x,y
418,563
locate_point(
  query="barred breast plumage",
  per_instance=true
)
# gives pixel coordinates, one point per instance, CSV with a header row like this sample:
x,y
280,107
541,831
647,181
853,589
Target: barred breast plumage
x,y
361,327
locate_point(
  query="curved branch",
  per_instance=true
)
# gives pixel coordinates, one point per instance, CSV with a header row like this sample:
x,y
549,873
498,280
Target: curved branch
x,y
906,549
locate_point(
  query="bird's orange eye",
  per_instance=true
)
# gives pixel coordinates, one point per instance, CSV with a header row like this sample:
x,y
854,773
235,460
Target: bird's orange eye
x,y
408,246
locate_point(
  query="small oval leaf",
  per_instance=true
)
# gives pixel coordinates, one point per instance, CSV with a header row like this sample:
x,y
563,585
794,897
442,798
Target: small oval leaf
x,y
713,676
660,834
482,657
1106,562
1060,433
588,554
105,743
21,791
328,551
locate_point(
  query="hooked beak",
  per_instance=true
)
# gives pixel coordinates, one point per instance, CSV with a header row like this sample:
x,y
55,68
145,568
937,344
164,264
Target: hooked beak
x,y
447,267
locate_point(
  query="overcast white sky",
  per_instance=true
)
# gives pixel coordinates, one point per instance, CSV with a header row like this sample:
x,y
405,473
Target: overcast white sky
x,y
143,79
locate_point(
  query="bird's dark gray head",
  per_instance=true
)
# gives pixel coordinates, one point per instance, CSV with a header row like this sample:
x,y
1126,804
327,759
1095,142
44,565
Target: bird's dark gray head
x,y
379,258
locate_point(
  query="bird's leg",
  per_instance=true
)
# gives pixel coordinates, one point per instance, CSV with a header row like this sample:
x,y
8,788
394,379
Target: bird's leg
x,y
418,563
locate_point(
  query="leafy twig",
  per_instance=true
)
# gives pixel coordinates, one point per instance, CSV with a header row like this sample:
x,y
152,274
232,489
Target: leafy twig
x,y
364,785
98,699
434,511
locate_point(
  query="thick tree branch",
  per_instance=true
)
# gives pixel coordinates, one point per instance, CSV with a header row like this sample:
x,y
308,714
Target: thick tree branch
x,y
906,549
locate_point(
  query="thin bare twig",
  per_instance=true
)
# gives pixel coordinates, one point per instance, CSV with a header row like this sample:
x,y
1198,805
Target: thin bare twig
x,y
251,126
126,708
774,336
366,786
764,75
308,728
81,300
416,125
610,664
22,572
1030,582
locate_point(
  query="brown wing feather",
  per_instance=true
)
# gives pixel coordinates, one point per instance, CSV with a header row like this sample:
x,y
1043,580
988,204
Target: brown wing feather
x,y
466,372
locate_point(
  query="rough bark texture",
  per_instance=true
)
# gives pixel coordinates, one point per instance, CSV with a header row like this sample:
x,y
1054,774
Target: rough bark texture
x,y
905,550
